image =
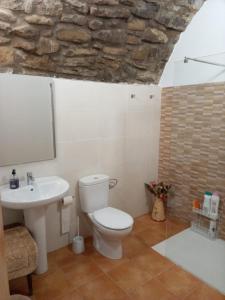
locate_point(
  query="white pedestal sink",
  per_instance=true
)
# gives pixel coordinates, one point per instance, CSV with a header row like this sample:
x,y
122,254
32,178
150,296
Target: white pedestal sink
x,y
33,199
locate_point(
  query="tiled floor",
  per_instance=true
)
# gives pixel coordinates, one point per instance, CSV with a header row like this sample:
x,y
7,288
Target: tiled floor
x,y
141,275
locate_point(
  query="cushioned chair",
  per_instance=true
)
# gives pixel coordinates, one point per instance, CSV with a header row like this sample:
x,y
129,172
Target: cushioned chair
x,y
21,254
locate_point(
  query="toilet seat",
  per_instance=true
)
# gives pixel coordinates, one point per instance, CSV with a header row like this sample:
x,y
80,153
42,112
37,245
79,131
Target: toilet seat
x,y
113,218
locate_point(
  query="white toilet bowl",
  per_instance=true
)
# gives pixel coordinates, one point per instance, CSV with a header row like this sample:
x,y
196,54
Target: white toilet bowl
x,y
110,227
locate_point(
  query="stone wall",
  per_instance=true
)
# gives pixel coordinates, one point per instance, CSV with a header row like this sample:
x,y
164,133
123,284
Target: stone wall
x,y
192,146
105,40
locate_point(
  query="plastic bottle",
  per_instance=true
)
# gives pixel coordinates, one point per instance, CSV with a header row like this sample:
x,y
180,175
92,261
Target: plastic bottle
x,y
212,229
207,203
14,181
215,200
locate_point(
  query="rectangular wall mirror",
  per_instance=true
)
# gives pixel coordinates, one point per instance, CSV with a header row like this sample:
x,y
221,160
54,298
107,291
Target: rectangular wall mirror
x,y
26,119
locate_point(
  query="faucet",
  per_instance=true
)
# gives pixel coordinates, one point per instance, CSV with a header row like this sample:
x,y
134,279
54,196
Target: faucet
x,y
30,178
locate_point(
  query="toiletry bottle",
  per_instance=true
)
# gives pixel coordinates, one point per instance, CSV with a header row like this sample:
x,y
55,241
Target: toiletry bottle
x,y
215,200
14,181
212,229
207,202
196,204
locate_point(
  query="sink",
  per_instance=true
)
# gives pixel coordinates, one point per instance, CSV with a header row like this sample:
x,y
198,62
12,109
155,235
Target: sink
x,y
45,190
33,199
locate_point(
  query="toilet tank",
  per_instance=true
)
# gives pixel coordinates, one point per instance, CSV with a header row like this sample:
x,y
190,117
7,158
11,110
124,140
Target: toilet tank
x,y
94,192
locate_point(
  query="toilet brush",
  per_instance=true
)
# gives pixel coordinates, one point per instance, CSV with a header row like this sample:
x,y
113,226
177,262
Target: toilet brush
x,y
78,226
78,241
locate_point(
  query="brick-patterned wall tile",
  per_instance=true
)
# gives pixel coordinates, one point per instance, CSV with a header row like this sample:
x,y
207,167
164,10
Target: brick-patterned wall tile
x,y
192,145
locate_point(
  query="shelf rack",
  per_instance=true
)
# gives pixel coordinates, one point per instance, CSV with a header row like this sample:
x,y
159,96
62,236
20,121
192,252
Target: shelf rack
x,y
200,217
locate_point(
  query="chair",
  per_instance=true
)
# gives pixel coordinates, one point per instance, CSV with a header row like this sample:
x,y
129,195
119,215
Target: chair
x,y
21,254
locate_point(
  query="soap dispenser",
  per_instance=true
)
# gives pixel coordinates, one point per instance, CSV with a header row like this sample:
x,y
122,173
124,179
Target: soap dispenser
x,y
14,181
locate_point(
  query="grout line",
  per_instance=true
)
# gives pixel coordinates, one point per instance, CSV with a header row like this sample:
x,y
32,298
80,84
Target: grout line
x,y
111,279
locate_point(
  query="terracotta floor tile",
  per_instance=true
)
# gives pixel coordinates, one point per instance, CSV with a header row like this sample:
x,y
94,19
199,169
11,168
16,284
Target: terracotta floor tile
x,y
129,276
81,273
53,285
170,226
151,237
204,292
102,288
152,290
89,251
178,281
156,231
51,292
48,294
174,226
52,265
132,246
71,296
145,218
67,257
152,262
72,260
174,230
139,225
106,264
39,282
60,254
142,273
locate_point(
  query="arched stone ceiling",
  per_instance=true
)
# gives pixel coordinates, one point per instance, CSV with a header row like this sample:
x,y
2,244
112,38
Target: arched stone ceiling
x,y
103,40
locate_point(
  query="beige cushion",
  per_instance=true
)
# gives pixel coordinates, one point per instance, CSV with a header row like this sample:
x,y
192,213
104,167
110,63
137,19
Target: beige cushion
x,y
21,252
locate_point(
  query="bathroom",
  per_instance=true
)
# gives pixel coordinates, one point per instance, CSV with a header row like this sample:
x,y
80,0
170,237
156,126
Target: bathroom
x,y
122,124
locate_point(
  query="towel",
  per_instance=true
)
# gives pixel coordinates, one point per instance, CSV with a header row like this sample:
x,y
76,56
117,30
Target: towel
x,y
66,214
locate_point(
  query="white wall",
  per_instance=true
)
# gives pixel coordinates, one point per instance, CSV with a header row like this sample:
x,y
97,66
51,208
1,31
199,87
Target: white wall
x,y
99,128
203,37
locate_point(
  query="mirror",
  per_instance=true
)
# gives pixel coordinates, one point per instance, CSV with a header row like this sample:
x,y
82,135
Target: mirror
x,y
26,119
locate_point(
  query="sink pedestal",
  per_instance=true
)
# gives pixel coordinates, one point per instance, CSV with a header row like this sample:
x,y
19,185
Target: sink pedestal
x,y
35,222
34,199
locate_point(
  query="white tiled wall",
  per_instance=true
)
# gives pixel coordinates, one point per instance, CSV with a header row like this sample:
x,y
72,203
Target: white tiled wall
x,y
100,128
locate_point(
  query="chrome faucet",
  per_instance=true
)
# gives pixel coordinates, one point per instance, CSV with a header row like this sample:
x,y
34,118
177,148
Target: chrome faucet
x,y
30,178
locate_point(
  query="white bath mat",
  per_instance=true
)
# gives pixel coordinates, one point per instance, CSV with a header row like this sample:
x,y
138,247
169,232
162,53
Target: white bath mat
x,y
200,256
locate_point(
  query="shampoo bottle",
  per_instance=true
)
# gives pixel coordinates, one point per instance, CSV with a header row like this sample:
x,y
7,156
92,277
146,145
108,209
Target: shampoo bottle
x,y
207,202
215,200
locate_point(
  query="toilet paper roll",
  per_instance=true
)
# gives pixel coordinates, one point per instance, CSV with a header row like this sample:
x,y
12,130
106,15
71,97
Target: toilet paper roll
x,y
66,214
67,200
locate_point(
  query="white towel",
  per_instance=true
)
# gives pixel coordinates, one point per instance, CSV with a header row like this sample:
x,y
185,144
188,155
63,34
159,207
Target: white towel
x,y
66,214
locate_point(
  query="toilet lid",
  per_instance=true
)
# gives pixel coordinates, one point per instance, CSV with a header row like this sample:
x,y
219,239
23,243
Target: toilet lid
x,y
113,218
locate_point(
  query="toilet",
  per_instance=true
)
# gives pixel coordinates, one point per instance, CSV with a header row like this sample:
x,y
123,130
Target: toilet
x,y
110,225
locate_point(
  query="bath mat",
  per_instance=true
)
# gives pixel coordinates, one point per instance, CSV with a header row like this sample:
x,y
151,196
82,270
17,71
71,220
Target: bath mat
x,y
198,255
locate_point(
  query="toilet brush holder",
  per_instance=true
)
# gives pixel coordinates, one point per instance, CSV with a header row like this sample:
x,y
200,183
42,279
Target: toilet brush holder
x,y
78,244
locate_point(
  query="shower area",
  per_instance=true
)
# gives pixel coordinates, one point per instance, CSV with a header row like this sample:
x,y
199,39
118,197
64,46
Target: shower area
x,y
192,157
